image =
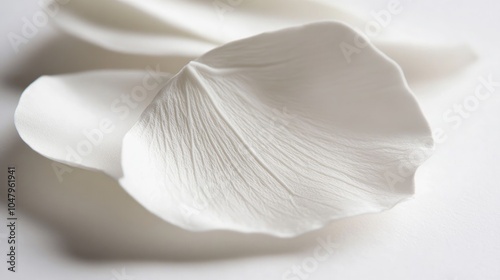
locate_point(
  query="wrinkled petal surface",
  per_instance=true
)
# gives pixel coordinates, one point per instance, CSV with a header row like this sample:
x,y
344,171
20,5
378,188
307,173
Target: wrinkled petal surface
x,y
276,134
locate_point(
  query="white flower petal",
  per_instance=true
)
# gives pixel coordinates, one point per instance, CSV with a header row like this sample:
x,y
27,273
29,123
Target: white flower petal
x,y
276,134
81,119
117,27
159,27
224,21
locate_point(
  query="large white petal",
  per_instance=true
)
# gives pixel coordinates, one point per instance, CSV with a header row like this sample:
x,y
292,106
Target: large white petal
x,y
276,134
81,119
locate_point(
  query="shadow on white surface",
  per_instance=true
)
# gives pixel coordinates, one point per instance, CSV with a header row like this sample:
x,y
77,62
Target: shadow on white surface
x,y
63,54
97,220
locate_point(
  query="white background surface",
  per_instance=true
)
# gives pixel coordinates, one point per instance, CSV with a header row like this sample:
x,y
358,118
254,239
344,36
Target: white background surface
x,y
87,228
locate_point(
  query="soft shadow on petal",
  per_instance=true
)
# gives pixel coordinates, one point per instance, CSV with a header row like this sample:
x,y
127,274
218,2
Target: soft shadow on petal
x,y
157,27
62,54
276,134
81,119
426,63
161,27
223,22
118,27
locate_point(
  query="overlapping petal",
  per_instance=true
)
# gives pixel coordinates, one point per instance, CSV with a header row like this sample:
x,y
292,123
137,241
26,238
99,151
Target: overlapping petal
x,y
276,133
81,119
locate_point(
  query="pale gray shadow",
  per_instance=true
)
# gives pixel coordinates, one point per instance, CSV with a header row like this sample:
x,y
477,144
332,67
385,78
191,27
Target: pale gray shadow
x,y
65,54
427,64
98,220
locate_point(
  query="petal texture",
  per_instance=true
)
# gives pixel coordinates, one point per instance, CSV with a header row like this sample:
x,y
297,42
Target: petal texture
x,y
276,134
81,119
